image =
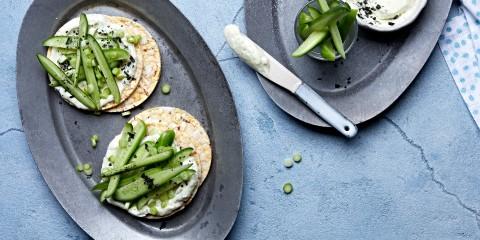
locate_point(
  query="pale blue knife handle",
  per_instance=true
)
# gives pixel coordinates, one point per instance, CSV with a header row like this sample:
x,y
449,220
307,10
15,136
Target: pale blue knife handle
x,y
325,111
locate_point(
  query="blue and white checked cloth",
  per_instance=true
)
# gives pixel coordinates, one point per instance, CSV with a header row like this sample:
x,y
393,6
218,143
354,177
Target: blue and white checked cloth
x,y
460,44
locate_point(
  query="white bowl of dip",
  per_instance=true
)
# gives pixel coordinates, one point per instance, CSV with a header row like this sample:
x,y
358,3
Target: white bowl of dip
x,y
387,15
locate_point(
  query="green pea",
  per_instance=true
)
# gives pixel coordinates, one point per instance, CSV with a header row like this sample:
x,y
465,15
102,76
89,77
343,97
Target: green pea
x,y
87,166
166,88
287,188
116,71
105,93
288,163
79,167
88,172
94,140
134,39
297,157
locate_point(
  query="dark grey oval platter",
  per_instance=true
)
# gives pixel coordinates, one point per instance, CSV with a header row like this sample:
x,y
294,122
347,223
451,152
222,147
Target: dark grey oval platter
x,y
58,134
378,69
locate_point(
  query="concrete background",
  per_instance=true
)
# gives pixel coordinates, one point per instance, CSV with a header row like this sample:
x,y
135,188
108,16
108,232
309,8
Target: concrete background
x,y
410,174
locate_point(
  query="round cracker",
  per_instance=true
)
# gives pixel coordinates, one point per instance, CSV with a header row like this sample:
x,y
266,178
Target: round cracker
x,y
132,86
151,67
188,132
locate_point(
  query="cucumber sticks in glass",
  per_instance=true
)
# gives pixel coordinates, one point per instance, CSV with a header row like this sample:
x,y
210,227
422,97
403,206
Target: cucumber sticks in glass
x,y
325,25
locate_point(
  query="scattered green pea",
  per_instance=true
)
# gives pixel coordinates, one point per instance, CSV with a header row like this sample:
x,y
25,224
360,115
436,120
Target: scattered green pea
x,y
134,39
166,88
288,163
87,166
297,157
153,210
116,71
79,167
287,188
88,172
94,140
105,93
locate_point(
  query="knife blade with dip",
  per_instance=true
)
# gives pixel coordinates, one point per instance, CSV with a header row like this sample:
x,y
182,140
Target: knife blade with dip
x,y
258,59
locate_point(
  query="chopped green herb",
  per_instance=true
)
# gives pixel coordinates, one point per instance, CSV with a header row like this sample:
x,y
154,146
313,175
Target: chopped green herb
x,y
79,167
94,140
297,157
287,188
166,88
288,163
127,113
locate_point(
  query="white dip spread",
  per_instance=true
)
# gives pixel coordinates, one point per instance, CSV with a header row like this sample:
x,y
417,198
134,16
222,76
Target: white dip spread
x,y
183,193
387,15
246,49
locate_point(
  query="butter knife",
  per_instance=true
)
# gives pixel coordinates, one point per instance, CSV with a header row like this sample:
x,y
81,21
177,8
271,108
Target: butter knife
x,y
258,59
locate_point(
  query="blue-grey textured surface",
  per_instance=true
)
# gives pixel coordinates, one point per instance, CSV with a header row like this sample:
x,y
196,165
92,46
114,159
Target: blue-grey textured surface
x,y
410,174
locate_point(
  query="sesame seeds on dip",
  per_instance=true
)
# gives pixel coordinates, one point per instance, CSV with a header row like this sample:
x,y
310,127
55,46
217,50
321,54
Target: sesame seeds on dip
x,y
387,15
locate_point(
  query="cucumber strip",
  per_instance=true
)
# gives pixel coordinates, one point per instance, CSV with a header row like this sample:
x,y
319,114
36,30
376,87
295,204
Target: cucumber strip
x,y
304,18
345,24
116,54
327,50
323,5
303,31
313,12
105,68
310,43
155,193
146,183
83,28
337,40
77,67
125,154
143,151
336,37
90,76
166,139
329,18
179,157
66,42
62,79
66,51
139,163
102,186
